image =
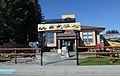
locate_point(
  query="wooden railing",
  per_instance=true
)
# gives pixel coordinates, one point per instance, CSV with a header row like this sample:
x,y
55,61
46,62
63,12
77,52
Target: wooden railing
x,y
110,53
14,53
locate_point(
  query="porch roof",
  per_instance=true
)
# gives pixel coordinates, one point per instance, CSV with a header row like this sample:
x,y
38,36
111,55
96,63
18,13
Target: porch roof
x,y
98,29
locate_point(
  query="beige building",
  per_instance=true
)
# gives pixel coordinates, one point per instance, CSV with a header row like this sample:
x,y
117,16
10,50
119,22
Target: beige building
x,y
60,32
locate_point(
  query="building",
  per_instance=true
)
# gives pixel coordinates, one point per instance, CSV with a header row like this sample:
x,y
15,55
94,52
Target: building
x,y
59,32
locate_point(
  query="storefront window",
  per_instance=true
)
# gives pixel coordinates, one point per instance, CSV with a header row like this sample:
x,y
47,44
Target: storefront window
x,y
88,37
49,37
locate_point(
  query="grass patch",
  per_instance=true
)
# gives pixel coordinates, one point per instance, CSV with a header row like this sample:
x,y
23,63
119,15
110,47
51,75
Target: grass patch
x,y
97,62
7,56
94,62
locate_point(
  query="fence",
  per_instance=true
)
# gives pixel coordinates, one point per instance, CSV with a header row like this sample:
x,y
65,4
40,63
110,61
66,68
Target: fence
x,y
14,53
110,53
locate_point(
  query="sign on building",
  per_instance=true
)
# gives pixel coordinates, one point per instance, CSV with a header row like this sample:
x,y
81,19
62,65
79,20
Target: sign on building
x,y
59,26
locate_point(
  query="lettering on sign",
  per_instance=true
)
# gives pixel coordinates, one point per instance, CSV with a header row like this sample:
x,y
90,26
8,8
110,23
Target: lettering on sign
x,y
60,26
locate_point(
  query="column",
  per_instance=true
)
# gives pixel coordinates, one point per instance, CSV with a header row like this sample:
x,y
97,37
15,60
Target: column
x,y
58,44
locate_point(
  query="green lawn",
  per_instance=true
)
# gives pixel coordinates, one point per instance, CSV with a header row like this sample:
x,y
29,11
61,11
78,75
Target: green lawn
x,y
97,62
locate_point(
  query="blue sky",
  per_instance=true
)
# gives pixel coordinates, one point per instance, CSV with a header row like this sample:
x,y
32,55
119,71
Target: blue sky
x,y
103,13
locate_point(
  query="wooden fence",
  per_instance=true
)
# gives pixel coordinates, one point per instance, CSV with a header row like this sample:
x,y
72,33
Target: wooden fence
x,y
110,53
14,53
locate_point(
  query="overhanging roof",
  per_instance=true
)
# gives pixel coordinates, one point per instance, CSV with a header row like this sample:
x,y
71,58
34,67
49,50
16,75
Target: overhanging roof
x,y
93,28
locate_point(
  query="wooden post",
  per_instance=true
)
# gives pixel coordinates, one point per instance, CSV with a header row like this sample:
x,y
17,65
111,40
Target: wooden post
x,y
58,44
41,56
111,56
77,57
42,49
15,57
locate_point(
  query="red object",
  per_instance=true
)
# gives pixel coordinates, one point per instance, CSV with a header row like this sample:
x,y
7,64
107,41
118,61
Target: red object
x,y
87,43
67,30
98,46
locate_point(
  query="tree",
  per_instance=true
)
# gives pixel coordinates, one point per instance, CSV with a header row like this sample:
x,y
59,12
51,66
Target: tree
x,y
19,19
112,32
5,30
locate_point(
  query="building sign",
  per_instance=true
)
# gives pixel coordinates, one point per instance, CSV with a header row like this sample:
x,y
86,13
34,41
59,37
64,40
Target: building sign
x,y
60,26
113,39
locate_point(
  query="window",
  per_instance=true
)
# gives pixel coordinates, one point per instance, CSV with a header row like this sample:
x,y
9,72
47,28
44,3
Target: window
x,y
88,37
49,37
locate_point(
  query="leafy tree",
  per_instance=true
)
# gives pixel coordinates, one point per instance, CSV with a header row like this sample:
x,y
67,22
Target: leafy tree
x,y
19,19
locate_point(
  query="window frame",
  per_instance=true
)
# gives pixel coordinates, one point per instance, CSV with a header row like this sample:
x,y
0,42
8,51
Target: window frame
x,y
87,36
49,37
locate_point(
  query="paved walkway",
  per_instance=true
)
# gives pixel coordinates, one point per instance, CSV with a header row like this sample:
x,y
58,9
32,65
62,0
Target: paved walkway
x,y
36,70
54,59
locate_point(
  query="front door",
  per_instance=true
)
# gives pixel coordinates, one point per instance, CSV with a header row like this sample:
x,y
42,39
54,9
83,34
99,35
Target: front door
x,y
70,43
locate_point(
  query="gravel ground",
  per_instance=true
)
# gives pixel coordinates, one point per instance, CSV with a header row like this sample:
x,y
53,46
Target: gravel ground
x,y
49,58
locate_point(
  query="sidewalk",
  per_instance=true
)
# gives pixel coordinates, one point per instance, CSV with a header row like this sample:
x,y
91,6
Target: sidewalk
x,y
35,70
